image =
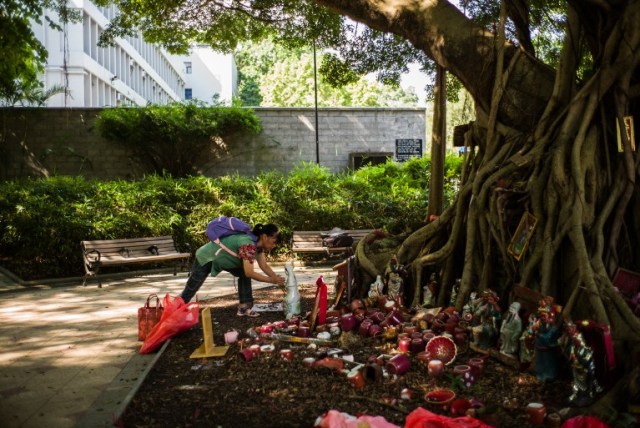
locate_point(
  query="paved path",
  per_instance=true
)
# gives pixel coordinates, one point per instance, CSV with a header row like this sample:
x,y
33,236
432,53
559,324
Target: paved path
x,y
69,354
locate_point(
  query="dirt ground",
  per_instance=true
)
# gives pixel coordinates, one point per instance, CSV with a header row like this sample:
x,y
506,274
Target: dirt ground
x,y
272,392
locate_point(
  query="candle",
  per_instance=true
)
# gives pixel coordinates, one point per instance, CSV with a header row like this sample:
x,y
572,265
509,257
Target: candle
x,y
435,368
537,412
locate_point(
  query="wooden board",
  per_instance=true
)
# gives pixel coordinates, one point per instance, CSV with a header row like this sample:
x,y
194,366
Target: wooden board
x,y
208,348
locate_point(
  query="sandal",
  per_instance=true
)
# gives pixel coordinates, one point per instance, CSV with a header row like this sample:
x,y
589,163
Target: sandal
x,y
247,312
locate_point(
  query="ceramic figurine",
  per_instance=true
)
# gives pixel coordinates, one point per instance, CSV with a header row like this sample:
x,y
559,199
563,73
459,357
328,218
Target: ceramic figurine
x,y
486,315
394,285
547,332
510,330
585,386
429,291
454,292
292,298
527,339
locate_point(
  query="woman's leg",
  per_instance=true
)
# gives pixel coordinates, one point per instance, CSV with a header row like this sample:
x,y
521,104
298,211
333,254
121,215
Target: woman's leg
x,y
197,276
245,292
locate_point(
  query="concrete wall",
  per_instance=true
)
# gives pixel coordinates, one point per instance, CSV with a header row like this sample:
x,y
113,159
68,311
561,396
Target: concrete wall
x,y
40,142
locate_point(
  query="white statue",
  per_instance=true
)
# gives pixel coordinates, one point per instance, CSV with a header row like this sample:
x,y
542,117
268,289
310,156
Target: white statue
x,y
510,330
292,298
375,289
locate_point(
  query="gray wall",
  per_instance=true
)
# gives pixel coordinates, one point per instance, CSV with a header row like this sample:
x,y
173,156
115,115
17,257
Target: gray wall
x,y
40,142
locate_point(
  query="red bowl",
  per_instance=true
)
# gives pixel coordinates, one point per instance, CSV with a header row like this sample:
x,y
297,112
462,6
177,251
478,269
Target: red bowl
x,y
440,397
442,348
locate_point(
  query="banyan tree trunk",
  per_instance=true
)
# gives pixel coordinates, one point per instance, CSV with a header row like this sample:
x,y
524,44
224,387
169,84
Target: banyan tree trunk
x,y
567,175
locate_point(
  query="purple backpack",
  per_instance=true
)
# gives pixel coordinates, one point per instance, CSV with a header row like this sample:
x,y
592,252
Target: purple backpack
x,y
223,226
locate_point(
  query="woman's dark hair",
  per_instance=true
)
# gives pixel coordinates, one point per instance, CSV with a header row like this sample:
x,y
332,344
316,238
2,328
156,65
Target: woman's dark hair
x,y
265,229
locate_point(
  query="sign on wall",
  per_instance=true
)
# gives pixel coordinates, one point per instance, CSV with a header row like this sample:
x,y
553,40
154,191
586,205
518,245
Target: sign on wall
x,y
408,148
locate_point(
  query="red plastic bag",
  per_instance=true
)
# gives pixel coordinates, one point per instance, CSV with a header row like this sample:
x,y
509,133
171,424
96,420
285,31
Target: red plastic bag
x,y
584,422
176,318
421,418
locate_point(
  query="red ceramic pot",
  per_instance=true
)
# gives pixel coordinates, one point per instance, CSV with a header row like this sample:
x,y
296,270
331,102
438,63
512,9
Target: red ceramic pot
x,y
460,406
394,318
246,355
255,350
463,371
286,354
398,365
437,326
435,368
537,413
334,364
348,322
477,365
424,357
440,397
373,373
303,331
417,345
375,330
378,317
404,344
280,324
364,327
409,328
356,379
267,328
428,336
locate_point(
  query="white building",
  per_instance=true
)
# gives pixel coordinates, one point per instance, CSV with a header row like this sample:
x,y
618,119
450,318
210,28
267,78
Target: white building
x,y
209,73
132,72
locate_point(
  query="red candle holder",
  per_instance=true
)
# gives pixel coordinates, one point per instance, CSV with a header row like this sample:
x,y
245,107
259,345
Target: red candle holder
x,y
398,365
435,368
404,344
537,412
286,354
356,379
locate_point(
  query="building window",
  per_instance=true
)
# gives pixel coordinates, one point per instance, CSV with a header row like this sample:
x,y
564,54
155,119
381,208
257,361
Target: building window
x,y
187,67
187,93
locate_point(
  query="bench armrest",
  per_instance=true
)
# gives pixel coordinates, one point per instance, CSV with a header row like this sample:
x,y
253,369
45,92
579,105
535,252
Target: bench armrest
x,y
92,255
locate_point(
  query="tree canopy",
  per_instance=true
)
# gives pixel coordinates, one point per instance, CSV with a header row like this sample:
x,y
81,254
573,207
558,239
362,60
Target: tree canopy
x,y
23,56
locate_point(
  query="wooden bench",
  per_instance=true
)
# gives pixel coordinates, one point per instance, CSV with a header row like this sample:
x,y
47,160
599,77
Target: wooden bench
x,y
120,252
310,241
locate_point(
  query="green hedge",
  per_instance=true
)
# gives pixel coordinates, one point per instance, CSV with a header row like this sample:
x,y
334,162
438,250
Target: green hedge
x,y
43,221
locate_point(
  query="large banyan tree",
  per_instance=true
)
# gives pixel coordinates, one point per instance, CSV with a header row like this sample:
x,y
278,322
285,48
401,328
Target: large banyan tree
x,y
545,145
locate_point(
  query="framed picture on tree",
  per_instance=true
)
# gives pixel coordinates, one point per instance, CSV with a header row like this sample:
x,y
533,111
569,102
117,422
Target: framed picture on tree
x,y
520,239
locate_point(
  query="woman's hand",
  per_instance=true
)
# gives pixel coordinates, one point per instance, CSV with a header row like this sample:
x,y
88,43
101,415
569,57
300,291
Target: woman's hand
x,y
278,280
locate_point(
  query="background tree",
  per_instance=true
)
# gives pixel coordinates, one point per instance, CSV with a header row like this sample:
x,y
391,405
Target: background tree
x,y
284,77
544,140
23,56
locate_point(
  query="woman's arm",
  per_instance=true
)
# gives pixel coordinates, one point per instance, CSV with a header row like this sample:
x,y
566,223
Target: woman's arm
x,y
270,278
262,262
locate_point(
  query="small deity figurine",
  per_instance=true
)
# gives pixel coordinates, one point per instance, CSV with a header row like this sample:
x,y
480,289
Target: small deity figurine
x,y
375,290
394,285
486,315
585,386
510,330
546,331
454,292
429,291
395,279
